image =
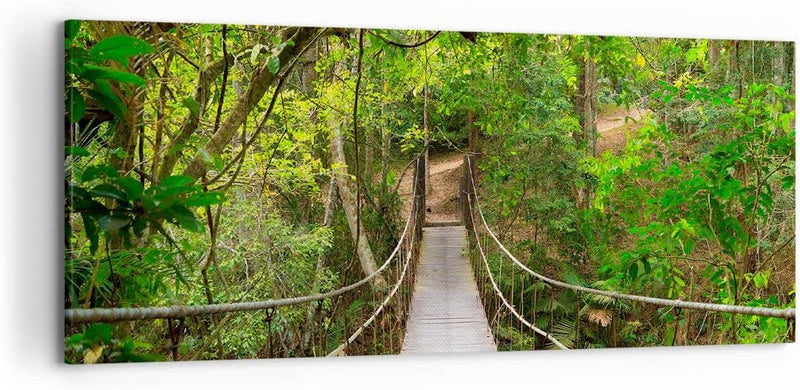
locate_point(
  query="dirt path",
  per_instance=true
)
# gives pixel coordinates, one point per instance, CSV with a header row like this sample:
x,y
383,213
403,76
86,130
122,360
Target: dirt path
x,y
445,169
442,201
612,129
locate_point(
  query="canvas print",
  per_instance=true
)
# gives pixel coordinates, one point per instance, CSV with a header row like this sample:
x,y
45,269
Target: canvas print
x,y
244,191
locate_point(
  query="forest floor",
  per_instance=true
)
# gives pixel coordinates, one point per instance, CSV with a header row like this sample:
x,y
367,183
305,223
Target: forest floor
x,y
614,130
445,168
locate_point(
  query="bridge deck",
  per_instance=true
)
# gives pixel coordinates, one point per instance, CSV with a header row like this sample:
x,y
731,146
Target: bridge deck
x,y
446,311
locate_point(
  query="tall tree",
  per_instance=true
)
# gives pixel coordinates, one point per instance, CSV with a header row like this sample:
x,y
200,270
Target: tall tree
x,y
344,182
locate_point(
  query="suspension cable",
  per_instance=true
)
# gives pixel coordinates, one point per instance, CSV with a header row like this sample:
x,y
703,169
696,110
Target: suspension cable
x,y
408,258
380,308
500,293
735,309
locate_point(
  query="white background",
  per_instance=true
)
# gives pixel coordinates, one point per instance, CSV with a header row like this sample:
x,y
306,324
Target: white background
x,y
31,189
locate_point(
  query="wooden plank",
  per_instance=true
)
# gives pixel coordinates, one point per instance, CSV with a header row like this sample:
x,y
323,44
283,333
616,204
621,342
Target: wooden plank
x,y
441,223
446,311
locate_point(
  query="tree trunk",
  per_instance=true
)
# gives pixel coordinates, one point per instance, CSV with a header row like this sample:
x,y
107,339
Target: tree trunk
x,y
425,119
790,58
730,49
192,121
586,108
348,197
778,66
713,53
308,71
259,85
370,140
589,103
386,145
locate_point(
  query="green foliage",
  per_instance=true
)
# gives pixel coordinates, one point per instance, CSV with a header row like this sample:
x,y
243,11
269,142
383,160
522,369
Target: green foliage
x,y
698,205
89,71
716,197
97,344
687,210
108,202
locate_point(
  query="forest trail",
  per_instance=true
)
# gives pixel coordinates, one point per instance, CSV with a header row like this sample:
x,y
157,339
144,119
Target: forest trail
x,y
445,169
612,129
442,201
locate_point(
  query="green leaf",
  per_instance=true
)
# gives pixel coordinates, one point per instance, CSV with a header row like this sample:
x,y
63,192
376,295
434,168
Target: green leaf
x,y
98,333
119,48
90,228
76,105
274,64
86,205
103,273
138,226
75,339
133,188
176,181
107,99
71,28
633,271
76,151
109,191
390,178
160,228
646,266
787,182
218,163
192,105
113,222
186,219
204,199
254,53
94,73
72,66
98,171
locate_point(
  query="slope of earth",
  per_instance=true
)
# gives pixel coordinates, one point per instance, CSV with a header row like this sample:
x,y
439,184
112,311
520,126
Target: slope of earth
x,y
442,196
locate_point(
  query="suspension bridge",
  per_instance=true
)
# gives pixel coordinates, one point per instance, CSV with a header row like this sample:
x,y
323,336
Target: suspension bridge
x,y
443,294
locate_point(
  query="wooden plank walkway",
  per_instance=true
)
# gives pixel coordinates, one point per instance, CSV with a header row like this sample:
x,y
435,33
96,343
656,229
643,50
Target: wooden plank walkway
x,y
446,311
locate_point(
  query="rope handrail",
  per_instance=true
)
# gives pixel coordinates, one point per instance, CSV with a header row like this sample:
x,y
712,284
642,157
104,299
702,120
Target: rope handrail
x,y
413,213
79,316
734,309
380,308
503,298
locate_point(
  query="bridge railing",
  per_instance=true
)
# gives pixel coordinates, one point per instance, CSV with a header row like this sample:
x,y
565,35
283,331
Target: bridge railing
x,y
408,256
389,306
485,245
